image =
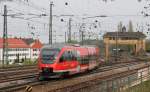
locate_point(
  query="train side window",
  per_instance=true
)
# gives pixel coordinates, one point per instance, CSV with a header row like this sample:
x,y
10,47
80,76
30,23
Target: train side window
x,y
66,56
74,55
78,56
61,59
69,56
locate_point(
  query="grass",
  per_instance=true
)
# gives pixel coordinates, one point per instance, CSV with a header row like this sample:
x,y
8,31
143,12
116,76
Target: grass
x,y
143,87
27,62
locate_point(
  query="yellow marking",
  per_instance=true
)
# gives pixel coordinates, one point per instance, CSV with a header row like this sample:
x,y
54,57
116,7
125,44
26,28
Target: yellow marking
x,y
28,88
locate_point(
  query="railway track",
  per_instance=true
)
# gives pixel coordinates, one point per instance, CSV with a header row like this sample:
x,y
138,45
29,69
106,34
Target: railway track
x,y
114,66
17,68
75,84
12,84
16,73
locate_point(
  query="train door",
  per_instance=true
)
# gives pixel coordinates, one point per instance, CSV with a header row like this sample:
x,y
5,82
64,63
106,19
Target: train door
x,y
84,59
92,58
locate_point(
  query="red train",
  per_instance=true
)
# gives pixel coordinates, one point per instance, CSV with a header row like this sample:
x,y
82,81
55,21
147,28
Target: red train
x,y
63,60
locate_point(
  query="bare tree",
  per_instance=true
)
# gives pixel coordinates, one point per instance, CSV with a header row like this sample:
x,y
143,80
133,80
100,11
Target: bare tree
x,y
130,27
120,27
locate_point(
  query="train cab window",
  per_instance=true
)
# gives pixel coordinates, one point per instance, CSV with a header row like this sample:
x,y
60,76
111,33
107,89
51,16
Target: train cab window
x,y
49,55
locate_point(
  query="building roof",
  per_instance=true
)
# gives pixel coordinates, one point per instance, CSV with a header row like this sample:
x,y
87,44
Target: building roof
x,y
36,44
135,35
14,43
28,41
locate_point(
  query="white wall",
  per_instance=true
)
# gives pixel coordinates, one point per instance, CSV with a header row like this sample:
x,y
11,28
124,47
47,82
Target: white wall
x,y
35,53
12,52
1,55
23,53
27,53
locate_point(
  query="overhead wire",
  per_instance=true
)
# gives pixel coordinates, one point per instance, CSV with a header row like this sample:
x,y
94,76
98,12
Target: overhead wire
x,y
31,18
21,16
35,21
45,9
31,5
38,16
25,13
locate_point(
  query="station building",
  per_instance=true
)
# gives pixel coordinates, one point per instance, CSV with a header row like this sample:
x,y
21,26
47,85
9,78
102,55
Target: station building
x,y
19,50
136,39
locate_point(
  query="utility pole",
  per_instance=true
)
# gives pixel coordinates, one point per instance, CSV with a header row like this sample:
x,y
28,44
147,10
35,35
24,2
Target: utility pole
x,y
116,58
82,36
5,38
65,36
69,35
81,33
74,36
50,23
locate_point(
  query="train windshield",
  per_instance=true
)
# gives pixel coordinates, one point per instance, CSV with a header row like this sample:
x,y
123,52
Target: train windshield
x,y
49,55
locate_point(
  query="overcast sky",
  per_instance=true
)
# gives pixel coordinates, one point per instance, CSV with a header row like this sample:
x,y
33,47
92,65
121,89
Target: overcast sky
x,y
119,10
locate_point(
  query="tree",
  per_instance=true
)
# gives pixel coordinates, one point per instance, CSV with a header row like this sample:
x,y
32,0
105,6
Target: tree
x,y
130,27
120,27
123,29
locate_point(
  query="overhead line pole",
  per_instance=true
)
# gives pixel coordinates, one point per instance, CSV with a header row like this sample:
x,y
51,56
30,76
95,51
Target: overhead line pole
x,y
117,46
69,35
81,33
82,36
50,24
65,36
5,38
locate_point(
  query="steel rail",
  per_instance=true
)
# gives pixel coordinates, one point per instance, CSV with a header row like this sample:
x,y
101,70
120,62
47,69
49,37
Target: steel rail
x,y
100,69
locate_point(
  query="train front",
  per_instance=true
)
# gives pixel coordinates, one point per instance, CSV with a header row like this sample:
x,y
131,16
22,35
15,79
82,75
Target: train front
x,y
47,62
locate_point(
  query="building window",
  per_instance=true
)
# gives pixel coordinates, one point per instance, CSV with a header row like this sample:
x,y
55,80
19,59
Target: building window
x,y
35,54
34,49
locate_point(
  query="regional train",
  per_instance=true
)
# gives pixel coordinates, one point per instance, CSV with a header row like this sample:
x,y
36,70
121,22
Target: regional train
x,y
63,60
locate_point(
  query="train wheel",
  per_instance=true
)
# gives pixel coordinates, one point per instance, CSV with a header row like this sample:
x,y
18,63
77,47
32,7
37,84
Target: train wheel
x,y
40,77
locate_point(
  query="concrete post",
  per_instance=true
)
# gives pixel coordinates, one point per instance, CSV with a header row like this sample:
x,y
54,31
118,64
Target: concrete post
x,y
106,51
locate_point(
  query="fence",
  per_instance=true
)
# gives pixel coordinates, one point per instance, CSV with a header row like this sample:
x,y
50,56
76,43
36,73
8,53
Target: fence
x,y
120,84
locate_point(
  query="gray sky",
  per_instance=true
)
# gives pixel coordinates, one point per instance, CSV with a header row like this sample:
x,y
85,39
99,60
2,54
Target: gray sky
x,y
119,10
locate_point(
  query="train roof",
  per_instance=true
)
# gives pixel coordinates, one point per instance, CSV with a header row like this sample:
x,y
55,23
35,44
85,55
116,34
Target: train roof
x,y
54,46
61,45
